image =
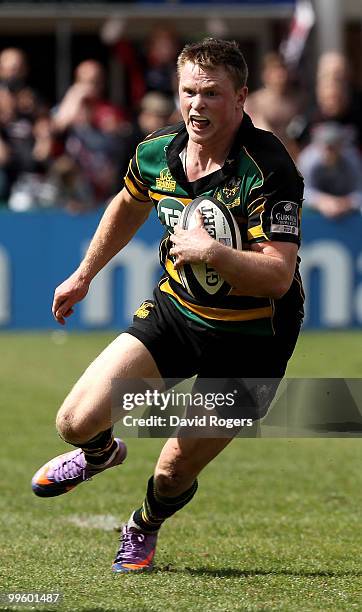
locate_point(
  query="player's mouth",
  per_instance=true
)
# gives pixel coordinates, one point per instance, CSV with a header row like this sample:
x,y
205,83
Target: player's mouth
x,y
199,123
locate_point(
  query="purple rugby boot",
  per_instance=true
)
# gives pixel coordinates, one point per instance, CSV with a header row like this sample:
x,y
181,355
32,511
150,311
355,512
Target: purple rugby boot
x,y
136,551
66,471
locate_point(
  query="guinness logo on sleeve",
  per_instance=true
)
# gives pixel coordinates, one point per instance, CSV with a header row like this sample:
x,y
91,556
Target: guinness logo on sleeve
x,y
284,218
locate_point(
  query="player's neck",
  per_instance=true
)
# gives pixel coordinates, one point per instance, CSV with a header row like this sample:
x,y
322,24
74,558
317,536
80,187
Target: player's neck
x,y
202,159
198,166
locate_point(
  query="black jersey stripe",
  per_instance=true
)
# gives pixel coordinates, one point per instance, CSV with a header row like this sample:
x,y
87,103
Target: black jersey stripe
x,y
133,195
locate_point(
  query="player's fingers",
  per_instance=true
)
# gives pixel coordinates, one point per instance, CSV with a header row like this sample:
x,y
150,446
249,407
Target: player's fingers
x,y
58,302
199,219
55,305
177,231
61,310
59,318
68,313
174,238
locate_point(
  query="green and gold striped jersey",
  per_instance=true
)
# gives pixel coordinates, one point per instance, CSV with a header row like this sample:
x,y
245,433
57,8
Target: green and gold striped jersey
x,y
260,185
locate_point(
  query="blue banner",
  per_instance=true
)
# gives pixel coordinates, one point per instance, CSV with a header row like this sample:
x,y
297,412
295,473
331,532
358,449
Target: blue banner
x,y
39,250
332,270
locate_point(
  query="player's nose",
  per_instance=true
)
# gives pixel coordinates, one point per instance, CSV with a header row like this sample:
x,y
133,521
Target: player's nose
x,y
198,102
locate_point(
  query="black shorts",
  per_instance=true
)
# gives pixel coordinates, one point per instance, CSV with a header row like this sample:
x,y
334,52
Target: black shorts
x,y
183,348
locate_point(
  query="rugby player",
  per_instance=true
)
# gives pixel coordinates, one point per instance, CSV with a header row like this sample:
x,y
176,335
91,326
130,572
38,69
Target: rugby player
x,y
214,151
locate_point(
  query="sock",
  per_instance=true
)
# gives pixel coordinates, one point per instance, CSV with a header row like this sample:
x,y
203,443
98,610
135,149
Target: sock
x,y
99,449
156,508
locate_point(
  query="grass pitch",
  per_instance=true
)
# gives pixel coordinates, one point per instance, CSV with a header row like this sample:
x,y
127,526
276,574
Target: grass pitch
x,y
275,524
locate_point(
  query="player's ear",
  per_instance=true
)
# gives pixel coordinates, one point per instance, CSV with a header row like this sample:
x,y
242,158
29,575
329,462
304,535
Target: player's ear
x,y
242,93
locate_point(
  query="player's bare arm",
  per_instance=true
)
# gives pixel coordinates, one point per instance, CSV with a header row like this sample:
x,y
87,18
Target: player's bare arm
x,y
266,270
121,220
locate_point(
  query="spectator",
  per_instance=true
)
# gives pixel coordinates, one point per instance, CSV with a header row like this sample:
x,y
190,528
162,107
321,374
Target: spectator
x,y
20,107
161,54
13,69
7,113
156,109
91,150
332,172
88,88
17,137
333,66
120,140
32,188
67,186
277,103
91,128
131,81
335,100
14,78
155,112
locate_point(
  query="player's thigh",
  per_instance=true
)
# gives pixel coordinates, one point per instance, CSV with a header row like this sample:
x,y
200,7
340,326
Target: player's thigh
x,y
182,459
90,400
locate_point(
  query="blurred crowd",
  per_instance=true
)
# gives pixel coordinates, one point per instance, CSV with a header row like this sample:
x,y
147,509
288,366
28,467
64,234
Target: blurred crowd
x,y
73,155
321,128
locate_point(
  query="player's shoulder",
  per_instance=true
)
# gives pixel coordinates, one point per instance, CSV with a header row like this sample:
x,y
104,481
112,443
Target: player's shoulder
x,y
152,150
164,134
151,154
267,151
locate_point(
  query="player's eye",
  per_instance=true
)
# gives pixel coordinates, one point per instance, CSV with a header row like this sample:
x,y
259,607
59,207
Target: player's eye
x,y
210,94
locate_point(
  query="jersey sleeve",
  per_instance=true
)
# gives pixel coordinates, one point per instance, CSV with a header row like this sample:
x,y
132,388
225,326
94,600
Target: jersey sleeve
x,y
134,183
274,207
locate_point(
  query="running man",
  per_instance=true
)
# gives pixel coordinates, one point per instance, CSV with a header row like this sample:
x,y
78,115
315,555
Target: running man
x,y
216,151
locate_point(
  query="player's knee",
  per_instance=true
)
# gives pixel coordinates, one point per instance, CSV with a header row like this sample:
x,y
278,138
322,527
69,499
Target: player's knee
x,y
66,425
74,425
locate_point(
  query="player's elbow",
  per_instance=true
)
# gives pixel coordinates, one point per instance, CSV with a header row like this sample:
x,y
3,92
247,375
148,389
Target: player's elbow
x,y
279,292
281,286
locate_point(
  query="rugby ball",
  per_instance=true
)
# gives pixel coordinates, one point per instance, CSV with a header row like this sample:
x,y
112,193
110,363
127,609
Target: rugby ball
x,y
201,280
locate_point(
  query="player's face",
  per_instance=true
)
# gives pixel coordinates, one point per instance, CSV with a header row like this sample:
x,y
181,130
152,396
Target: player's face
x,y
209,103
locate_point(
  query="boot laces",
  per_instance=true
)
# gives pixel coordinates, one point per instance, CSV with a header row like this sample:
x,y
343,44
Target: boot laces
x,y
132,546
71,468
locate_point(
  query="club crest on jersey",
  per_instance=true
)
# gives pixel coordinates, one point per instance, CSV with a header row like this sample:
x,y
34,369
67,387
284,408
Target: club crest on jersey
x,y
169,212
144,310
165,181
229,194
285,218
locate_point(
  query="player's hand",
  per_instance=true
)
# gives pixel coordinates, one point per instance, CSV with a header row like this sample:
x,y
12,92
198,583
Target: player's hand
x,y
191,246
71,291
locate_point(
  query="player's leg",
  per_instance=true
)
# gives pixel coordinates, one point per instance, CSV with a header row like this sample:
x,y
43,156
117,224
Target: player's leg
x,y
85,418
172,486
87,410
174,482
181,460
